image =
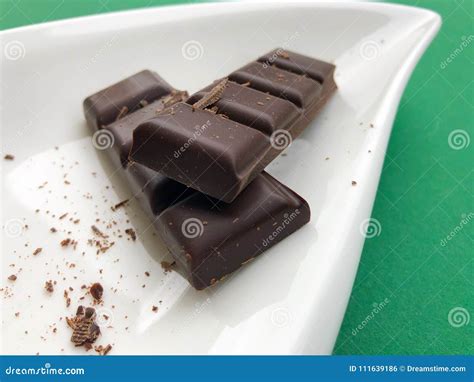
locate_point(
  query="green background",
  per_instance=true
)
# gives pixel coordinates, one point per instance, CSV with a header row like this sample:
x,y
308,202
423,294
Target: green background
x,y
425,191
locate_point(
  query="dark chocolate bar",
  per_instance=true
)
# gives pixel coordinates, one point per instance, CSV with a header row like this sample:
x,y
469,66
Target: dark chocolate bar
x,y
210,239
119,109
226,134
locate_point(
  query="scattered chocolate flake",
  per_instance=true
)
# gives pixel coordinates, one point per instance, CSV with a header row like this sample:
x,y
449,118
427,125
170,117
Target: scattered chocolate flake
x,y
42,185
9,157
53,230
17,314
49,286
12,277
103,350
85,329
118,205
63,216
354,183
65,242
167,267
147,274
123,113
68,299
98,232
37,251
154,309
212,96
260,103
131,233
96,291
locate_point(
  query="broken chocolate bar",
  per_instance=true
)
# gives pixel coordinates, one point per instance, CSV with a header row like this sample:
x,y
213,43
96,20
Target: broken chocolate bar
x,y
211,239
219,146
144,95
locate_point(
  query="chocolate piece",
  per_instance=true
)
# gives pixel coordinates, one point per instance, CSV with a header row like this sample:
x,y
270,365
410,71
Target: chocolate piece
x,y
215,151
124,97
210,239
85,329
144,95
220,150
122,129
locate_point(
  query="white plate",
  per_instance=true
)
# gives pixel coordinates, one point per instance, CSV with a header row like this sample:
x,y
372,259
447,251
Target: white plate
x,y
290,300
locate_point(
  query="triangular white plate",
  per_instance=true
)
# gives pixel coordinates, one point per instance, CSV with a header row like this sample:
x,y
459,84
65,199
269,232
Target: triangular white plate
x,y
291,299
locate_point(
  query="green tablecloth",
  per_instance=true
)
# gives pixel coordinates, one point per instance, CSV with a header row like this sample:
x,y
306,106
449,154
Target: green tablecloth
x,y
420,266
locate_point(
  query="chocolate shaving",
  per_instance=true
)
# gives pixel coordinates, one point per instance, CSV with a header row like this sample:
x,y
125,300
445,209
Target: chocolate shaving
x,y
8,157
212,96
174,97
123,113
12,278
37,251
131,233
120,204
98,232
85,329
49,286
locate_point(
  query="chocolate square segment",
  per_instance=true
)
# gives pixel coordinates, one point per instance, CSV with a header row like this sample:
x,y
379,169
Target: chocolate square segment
x,y
126,96
210,239
200,149
253,108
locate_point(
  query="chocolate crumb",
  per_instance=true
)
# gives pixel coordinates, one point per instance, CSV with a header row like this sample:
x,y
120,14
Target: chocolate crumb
x,y
63,216
96,291
167,267
12,277
154,308
98,232
65,242
131,233
53,230
85,329
9,157
354,183
37,251
120,204
48,285
147,274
